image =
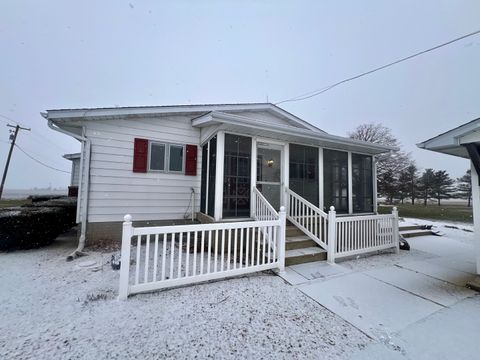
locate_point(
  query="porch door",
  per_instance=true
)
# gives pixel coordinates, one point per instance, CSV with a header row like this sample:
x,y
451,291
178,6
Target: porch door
x,y
269,173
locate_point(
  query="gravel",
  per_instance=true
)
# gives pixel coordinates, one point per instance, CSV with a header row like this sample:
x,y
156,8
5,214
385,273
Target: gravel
x,y
51,308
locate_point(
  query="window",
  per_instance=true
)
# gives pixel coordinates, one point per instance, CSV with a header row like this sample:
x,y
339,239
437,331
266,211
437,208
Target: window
x,y
166,157
362,183
157,156
335,169
304,172
176,158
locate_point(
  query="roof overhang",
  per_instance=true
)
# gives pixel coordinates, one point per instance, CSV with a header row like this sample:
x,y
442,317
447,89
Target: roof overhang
x,y
248,126
454,142
60,116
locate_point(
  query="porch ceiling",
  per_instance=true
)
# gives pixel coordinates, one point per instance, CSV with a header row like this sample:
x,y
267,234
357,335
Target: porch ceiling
x,y
252,127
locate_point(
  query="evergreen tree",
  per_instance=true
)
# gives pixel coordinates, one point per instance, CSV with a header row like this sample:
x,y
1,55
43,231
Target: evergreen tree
x,y
442,187
464,187
426,184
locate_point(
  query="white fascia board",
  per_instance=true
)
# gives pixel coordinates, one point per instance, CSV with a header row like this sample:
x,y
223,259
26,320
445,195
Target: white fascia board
x,y
450,138
72,114
261,125
67,114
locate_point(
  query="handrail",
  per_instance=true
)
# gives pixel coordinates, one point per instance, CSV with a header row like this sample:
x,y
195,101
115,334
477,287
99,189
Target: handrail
x,y
262,209
307,217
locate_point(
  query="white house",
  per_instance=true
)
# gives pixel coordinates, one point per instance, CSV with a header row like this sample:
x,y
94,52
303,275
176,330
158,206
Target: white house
x,y
172,164
464,142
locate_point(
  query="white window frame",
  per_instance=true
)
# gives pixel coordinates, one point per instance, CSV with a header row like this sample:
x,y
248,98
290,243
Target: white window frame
x,y
166,163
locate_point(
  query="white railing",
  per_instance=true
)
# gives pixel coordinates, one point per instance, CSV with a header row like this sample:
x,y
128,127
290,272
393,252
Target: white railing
x,y
353,235
343,236
167,256
262,210
308,218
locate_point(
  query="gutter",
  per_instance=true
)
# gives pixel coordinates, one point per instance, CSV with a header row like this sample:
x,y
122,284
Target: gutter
x,y
84,164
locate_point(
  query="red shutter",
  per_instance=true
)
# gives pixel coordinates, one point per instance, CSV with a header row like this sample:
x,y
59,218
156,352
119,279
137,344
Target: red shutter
x,y
191,160
140,155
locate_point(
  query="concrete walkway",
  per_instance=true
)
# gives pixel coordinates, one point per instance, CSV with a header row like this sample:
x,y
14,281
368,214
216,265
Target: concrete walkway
x,y
415,304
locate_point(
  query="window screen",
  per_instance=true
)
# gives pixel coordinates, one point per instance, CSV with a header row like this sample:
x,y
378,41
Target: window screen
x,y
176,158
362,183
157,156
335,188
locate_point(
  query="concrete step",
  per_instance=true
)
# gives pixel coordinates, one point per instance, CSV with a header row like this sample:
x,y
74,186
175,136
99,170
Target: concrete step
x,y
414,233
412,227
301,256
299,242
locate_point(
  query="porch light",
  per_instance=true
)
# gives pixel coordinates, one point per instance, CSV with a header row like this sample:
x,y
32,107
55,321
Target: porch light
x,y
270,162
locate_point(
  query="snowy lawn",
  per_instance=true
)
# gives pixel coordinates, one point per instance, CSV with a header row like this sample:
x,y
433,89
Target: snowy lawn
x,y
53,309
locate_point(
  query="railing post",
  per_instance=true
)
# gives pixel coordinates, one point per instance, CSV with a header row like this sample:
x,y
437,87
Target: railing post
x,y
127,232
396,235
282,218
332,237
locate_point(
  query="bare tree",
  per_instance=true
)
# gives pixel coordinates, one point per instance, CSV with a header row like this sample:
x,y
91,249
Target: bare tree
x,y
389,165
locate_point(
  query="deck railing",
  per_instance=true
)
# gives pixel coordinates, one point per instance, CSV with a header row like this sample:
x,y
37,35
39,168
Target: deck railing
x,y
360,234
262,210
168,256
343,236
307,217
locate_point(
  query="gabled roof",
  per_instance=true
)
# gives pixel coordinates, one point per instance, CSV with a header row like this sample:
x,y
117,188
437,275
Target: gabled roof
x,y
452,141
250,126
65,115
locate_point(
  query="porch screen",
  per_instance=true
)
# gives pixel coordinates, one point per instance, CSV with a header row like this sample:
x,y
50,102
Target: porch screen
x,y
335,182
236,181
303,174
362,183
207,188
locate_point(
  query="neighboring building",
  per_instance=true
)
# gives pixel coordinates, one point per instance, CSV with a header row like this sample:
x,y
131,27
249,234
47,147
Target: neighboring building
x,y
464,142
75,175
162,163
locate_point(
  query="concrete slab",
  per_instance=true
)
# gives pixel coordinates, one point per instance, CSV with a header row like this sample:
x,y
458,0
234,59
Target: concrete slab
x,y
319,270
292,277
438,291
436,271
448,334
440,246
369,304
458,262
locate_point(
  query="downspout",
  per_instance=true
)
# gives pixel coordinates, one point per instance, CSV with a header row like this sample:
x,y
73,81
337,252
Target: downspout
x,y
84,164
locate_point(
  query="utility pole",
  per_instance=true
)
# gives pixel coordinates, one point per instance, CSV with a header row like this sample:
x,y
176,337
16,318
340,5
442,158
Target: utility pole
x,y
13,138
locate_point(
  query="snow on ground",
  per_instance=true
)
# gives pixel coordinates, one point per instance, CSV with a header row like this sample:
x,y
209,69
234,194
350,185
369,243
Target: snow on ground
x,y
458,231
53,309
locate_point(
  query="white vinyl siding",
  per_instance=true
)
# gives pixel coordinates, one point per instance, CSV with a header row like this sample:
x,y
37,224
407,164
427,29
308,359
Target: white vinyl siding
x,y
116,190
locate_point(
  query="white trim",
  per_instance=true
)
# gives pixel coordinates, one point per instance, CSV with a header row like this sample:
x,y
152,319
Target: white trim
x,y
219,178
476,214
350,183
253,174
216,117
375,180
74,114
320,179
207,180
166,160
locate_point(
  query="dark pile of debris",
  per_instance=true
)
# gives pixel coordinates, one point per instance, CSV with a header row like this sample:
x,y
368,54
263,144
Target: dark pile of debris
x,y
36,224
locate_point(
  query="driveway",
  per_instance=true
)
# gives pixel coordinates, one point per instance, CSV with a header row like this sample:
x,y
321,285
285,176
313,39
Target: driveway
x,y
414,304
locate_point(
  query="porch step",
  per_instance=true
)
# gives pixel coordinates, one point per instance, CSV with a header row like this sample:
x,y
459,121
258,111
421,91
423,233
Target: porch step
x,y
299,242
414,233
305,255
292,230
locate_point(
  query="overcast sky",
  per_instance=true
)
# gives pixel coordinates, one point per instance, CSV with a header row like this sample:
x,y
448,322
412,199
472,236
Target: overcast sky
x,y
57,54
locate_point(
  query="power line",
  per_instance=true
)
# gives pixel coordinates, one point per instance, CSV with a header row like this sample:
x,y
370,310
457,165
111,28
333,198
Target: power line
x,y
41,163
325,89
